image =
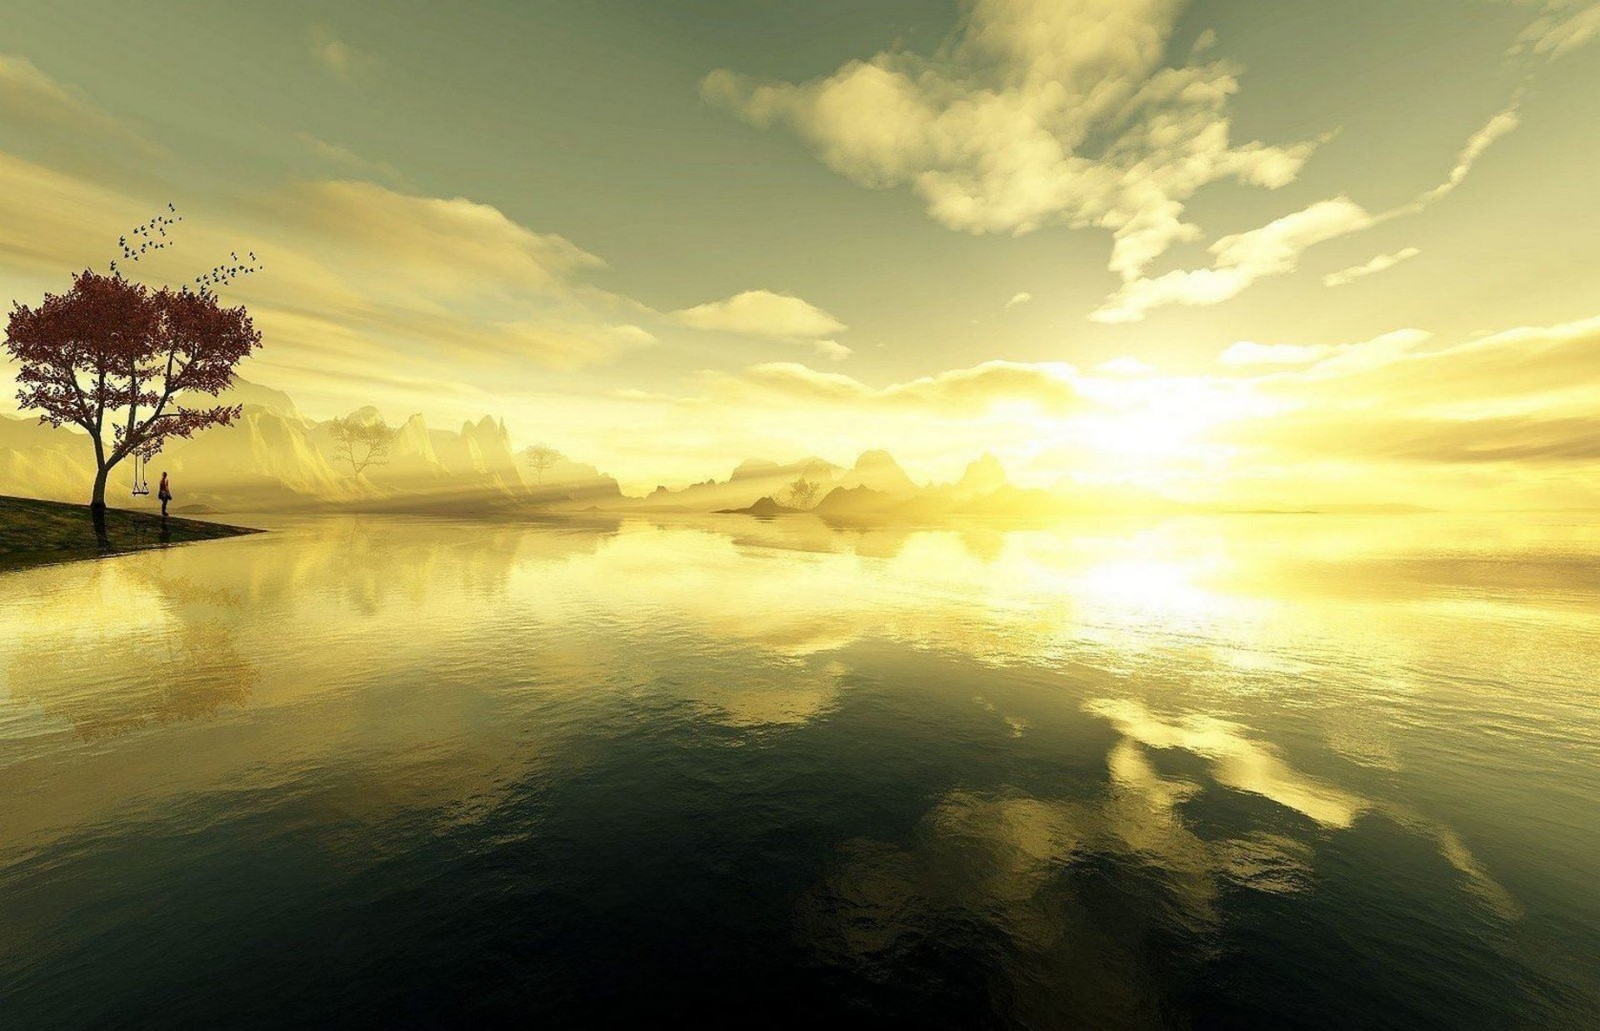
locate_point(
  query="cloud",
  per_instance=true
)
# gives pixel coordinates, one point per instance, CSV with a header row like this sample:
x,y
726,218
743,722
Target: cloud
x,y
1126,365
1037,112
1240,260
347,160
762,313
1248,352
437,245
1479,142
352,271
54,122
1377,264
1562,27
1523,440
572,345
1274,249
1019,298
338,56
832,349
1524,395
407,299
1049,386
57,221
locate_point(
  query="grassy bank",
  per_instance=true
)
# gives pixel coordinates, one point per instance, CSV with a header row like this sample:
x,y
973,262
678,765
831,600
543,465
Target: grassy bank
x,y
36,532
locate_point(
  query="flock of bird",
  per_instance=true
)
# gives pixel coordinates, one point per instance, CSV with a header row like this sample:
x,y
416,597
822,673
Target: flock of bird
x,y
152,236
222,275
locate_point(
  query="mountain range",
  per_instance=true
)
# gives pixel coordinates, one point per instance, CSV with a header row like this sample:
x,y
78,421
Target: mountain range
x,y
275,457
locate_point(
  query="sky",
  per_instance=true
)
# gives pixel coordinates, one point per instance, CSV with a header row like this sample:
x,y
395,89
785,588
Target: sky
x,y
1270,253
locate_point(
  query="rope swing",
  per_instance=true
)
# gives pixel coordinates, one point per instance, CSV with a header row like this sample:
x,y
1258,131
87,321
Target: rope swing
x,y
141,477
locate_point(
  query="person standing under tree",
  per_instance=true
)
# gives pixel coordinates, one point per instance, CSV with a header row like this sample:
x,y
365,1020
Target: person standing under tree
x,y
164,492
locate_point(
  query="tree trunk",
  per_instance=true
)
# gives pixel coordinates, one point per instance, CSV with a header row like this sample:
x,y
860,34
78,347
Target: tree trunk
x,y
97,508
97,501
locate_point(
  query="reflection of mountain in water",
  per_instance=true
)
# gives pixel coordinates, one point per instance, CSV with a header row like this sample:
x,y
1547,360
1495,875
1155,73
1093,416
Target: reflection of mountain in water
x,y
1059,766
132,666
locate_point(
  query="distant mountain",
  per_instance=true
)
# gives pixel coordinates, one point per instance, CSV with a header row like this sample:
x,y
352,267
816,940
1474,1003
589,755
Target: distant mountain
x,y
750,481
40,462
982,476
275,457
856,503
879,471
766,507
243,392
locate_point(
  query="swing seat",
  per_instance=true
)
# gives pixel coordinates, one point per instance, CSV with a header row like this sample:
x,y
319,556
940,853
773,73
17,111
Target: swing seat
x,y
140,493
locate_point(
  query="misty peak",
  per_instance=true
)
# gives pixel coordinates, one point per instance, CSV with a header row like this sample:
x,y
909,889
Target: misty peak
x,y
983,474
753,467
366,415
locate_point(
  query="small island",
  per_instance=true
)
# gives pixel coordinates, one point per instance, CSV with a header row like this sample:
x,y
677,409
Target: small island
x,y
34,533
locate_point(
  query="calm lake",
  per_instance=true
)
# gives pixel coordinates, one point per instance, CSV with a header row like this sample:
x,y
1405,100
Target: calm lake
x,y
1269,771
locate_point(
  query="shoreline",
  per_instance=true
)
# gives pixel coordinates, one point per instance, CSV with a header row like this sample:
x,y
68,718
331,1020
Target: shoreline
x,y
38,533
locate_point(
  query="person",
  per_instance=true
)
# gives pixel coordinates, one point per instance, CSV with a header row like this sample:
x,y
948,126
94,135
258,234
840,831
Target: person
x,y
164,492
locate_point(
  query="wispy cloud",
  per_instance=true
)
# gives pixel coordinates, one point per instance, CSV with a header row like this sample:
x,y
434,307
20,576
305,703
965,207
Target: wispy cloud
x,y
348,161
761,313
1378,263
1562,27
832,350
338,56
1274,249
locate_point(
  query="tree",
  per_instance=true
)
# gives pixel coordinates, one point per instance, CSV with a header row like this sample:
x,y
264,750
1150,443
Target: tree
x,y
113,355
540,457
802,492
361,443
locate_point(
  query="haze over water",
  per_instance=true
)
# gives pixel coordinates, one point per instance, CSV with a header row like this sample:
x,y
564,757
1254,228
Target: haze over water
x,y
1205,772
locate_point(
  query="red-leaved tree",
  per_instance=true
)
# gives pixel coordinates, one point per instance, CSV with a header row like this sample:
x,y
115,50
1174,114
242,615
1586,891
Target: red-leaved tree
x,y
127,364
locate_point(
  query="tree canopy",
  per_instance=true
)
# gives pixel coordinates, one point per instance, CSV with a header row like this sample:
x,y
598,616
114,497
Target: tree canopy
x,y
113,355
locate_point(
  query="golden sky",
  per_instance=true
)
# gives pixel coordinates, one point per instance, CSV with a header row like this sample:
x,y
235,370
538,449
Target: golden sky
x,y
1269,254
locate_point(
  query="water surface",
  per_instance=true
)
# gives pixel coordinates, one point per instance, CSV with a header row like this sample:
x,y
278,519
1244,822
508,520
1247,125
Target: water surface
x,y
1204,772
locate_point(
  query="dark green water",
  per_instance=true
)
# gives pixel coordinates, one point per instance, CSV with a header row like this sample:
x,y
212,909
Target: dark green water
x,y
1262,772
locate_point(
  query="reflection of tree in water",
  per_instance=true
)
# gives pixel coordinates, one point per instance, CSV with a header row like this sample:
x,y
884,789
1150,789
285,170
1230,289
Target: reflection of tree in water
x,y
187,670
371,562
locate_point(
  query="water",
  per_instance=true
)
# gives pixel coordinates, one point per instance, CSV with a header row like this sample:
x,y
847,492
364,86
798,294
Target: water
x,y
1235,772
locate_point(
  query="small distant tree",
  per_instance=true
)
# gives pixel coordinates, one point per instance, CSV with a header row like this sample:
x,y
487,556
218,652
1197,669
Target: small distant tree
x,y
361,444
114,357
540,457
803,492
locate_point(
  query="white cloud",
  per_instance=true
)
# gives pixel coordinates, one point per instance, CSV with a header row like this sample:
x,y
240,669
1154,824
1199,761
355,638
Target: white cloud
x,y
1043,112
1052,386
432,244
1019,298
1126,365
1562,27
1240,260
1498,126
1379,263
1248,352
833,350
762,313
1275,248
1038,112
